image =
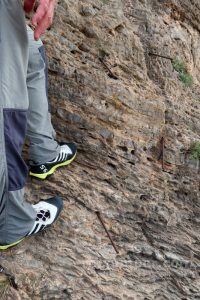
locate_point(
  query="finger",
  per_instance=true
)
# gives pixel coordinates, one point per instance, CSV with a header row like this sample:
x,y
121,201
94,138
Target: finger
x,y
42,26
28,5
40,12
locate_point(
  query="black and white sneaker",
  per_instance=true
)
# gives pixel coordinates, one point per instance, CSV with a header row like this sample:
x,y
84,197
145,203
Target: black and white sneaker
x,y
47,213
65,157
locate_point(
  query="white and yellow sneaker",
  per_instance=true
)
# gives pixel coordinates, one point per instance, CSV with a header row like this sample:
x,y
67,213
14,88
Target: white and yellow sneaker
x,y
65,157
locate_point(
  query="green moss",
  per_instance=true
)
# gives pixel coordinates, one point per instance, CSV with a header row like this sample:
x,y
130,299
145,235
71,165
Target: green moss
x,y
184,76
187,79
178,65
105,1
195,151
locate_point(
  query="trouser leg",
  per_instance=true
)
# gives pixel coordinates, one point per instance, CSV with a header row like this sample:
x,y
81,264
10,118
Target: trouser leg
x,y
16,216
43,146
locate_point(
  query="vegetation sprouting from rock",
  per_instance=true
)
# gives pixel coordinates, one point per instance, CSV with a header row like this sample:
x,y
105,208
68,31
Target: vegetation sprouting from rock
x,y
184,75
195,151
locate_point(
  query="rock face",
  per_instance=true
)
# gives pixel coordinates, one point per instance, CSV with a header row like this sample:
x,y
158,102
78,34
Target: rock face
x,y
134,123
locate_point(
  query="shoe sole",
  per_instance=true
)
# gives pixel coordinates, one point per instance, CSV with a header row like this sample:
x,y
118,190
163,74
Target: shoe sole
x,y
11,245
52,170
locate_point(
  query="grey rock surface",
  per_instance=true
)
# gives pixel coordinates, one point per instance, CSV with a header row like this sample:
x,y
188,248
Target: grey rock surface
x,y
117,112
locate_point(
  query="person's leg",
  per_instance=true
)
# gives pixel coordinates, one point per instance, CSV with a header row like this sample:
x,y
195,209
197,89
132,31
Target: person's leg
x,y
16,216
40,132
45,154
18,219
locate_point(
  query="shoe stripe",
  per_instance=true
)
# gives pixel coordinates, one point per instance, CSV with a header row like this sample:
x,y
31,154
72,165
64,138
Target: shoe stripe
x,y
58,158
63,156
55,160
42,227
34,229
38,228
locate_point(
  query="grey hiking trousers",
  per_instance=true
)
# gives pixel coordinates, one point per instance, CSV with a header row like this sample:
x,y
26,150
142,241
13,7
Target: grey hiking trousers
x,y
40,131
21,65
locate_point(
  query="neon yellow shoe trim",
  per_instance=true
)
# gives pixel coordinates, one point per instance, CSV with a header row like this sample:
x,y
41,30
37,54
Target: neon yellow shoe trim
x,y
10,245
52,170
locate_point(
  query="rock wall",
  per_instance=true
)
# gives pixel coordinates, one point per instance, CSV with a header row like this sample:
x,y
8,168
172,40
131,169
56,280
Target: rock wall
x,y
134,123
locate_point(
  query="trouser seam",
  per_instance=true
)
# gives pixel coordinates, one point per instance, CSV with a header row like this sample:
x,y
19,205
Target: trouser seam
x,y
5,170
2,130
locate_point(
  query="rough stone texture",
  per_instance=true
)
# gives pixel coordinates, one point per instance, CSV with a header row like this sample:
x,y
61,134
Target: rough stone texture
x,y
117,123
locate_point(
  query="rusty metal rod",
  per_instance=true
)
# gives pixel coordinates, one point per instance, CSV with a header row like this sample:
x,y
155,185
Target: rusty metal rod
x,y
163,153
162,56
106,230
109,70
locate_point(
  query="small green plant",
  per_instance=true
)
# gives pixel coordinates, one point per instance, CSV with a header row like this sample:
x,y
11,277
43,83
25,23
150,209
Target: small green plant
x,y
195,151
105,1
184,76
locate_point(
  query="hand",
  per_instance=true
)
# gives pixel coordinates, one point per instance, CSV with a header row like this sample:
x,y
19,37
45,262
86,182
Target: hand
x,y
43,17
28,5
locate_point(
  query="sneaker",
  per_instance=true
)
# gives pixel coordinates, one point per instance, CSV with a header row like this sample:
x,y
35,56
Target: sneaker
x,y
47,213
64,158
